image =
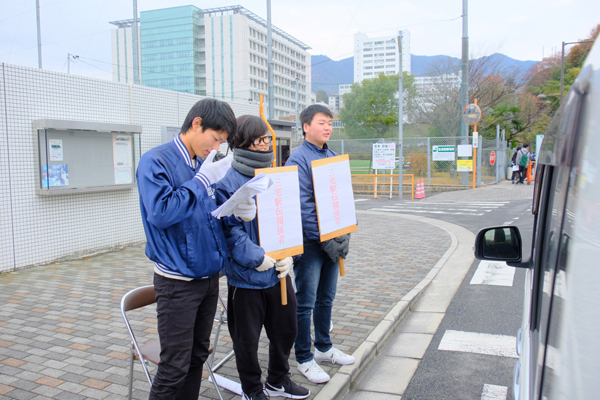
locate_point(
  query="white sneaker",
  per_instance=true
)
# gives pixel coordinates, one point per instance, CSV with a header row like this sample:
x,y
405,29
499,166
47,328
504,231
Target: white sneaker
x,y
313,372
334,356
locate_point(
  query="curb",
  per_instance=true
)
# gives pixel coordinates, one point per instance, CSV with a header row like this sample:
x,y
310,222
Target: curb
x,y
339,384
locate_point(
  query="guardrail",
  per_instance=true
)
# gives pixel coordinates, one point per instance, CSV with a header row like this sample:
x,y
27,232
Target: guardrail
x,y
365,180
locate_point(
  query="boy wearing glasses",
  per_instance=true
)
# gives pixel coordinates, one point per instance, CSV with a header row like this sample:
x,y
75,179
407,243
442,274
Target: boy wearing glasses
x,y
185,242
254,291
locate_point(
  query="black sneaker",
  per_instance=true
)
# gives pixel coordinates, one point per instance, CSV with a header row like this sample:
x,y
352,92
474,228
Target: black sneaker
x,y
287,389
258,395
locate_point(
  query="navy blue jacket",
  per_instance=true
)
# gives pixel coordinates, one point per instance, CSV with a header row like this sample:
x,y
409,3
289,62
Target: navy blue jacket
x,y
302,157
242,242
184,239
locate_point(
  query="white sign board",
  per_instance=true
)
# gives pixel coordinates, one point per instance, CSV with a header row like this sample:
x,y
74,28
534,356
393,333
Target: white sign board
x,y
465,150
278,213
384,155
538,143
443,153
56,149
334,196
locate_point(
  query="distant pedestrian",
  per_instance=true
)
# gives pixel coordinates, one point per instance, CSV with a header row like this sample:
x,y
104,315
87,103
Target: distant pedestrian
x,y
523,159
515,167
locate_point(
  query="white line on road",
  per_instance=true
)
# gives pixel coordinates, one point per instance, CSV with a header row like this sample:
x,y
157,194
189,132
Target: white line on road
x,y
494,392
433,208
480,343
495,273
421,211
357,200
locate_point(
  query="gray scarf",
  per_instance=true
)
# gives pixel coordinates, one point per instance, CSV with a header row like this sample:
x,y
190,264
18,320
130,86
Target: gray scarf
x,y
246,161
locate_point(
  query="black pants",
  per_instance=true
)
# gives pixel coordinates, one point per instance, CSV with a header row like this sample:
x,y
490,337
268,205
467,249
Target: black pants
x,y
247,311
523,173
185,312
516,175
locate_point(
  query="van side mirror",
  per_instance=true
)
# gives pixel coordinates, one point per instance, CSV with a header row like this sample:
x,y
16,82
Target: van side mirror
x,y
502,243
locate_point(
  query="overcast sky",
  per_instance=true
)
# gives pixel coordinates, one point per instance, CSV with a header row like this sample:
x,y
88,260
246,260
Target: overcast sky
x,y
521,29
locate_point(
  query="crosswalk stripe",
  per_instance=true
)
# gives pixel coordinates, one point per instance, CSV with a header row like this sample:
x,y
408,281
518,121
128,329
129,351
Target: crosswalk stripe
x,y
423,211
494,392
357,200
434,208
493,273
479,343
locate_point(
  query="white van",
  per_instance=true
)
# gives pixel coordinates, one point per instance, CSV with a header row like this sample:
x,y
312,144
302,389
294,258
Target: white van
x,y
559,340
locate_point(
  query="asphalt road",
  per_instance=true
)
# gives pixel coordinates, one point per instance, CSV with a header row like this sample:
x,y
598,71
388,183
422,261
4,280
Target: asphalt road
x,y
481,309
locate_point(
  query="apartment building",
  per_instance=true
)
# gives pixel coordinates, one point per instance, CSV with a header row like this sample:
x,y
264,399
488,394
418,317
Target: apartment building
x,y
375,55
222,53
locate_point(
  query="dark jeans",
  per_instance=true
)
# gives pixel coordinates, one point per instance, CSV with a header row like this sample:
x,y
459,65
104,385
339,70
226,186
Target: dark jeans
x,y
247,311
185,312
316,284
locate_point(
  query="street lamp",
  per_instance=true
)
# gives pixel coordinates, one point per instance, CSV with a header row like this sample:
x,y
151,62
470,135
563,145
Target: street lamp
x,y
562,64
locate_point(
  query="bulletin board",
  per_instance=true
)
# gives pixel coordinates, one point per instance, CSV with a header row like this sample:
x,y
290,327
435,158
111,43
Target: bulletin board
x,y
76,156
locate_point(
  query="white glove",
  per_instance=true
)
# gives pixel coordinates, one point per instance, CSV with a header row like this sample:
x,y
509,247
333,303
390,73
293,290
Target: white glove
x,y
284,267
212,172
247,212
267,264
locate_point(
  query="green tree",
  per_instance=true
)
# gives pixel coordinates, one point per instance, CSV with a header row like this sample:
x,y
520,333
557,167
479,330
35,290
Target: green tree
x,y
371,108
322,96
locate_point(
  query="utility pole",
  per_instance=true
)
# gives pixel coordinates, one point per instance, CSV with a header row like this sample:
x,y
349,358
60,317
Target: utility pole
x,y
297,116
136,61
69,56
562,65
464,128
400,116
39,33
270,61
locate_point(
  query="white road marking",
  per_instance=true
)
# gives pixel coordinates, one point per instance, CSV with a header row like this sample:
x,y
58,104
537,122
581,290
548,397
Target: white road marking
x,y
480,343
494,392
433,208
357,200
422,211
495,273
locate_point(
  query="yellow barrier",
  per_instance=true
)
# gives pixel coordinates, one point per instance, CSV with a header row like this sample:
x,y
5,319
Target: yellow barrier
x,y
375,176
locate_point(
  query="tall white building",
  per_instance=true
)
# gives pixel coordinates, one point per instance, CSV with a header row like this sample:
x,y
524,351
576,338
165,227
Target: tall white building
x,y
222,53
343,89
122,54
373,56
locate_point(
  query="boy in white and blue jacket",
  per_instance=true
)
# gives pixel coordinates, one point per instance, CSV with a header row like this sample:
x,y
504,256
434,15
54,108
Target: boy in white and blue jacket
x,y
185,242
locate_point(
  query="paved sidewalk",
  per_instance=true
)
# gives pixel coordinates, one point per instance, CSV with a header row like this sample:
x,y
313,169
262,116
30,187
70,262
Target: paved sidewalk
x,y
504,190
62,336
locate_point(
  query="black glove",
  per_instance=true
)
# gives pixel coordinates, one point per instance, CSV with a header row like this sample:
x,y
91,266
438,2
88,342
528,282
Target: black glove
x,y
337,247
344,247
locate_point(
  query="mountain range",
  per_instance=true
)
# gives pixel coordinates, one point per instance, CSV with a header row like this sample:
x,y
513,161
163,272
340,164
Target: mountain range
x,y
327,74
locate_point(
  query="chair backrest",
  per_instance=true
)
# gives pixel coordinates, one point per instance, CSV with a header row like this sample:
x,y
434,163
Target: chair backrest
x,y
140,297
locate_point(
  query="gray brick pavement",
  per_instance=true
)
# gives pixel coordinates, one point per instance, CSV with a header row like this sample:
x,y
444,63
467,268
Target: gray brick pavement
x,y
62,336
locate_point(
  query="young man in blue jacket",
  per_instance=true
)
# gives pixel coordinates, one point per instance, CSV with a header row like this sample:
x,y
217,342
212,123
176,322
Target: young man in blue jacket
x,y
317,269
185,242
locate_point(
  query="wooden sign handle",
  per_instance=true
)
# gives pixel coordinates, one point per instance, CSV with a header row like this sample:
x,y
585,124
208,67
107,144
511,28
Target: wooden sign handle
x,y
283,291
342,271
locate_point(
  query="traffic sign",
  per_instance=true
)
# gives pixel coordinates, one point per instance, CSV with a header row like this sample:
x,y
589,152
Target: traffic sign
x,y
443,153
493,157
384,155
471,114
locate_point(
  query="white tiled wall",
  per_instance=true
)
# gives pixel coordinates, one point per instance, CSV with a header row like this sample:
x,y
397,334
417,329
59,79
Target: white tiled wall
x,y
38,229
